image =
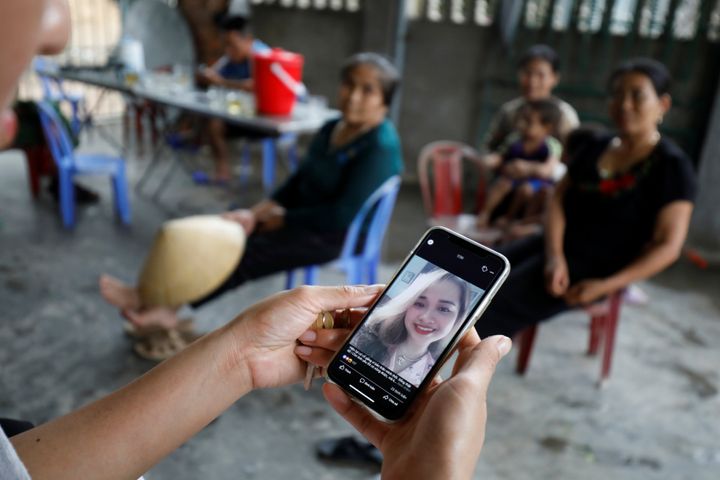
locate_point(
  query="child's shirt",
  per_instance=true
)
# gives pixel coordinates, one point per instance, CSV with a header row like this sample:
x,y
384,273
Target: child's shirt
x,y
514,150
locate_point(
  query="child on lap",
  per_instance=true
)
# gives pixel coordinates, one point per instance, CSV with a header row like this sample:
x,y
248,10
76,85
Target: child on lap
x,y
527,166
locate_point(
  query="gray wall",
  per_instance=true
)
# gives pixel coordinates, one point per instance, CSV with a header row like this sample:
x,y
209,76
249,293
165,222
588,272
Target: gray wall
x,y
325,38
456,76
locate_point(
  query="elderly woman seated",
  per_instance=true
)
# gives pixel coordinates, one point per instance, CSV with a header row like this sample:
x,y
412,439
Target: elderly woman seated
x,y
304,222
620,215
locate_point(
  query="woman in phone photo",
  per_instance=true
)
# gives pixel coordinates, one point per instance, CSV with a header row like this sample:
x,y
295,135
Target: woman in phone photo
x,y
408,332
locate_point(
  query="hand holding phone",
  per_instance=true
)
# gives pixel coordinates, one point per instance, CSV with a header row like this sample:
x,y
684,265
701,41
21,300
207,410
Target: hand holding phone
x,y
438,293
444,436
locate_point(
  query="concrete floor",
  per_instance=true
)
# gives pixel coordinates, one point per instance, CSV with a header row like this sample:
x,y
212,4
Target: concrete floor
x,y
62,346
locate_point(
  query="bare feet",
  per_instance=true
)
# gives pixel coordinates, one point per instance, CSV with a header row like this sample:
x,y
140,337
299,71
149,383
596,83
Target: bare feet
x,y
162,317
483,219
223,174
119,294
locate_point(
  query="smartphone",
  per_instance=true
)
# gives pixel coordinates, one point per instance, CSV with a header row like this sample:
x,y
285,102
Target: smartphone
x,y
440,291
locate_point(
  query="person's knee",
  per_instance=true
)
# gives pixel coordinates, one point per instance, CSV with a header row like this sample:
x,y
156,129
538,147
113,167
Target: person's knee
x,y
526,191
504,184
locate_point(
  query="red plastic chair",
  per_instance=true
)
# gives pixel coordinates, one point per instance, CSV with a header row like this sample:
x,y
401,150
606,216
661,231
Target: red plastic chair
x,y
445,158
604,318
40,164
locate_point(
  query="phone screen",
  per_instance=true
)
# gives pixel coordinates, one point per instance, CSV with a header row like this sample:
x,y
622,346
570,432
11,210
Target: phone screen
x,y
435,294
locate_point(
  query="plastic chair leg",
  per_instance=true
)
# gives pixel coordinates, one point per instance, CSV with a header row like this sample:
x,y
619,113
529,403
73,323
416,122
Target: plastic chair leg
x,y
67,198
354,272
311,275
140,129
122,200
34,160
597,329
372,271
245,159
610,332
269,157
293,155
76,123
526,340
289,279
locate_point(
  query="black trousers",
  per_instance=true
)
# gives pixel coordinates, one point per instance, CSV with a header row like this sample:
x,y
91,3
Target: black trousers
x,y
14,427
523,300
274,252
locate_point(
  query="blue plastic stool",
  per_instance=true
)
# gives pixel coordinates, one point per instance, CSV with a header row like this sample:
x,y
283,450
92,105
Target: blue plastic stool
x,y
53,91
361,266
70,165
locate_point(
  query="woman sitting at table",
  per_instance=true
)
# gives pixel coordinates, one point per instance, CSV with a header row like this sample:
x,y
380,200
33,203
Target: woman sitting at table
x,y
305,220
620,215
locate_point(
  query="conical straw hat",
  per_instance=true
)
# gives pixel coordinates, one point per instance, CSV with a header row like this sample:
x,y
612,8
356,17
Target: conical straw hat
x,y
190,258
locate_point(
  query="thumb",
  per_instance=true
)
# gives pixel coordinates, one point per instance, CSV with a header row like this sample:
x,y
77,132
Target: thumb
x,y
337,298
479,362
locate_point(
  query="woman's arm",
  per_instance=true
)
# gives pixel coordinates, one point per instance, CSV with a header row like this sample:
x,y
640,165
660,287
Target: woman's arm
x,y
671,229
556,271
124,434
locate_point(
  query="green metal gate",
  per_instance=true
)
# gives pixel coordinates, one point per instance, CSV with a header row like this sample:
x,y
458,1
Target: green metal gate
x,y
592,36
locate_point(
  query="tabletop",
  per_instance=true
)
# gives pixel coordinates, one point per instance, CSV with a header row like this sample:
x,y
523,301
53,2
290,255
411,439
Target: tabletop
x,y
234,107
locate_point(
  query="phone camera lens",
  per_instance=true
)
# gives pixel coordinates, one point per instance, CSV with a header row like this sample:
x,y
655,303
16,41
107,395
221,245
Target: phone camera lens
x,y
430,242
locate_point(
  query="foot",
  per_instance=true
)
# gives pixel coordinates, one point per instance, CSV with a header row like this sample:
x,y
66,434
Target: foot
x,y
483,219
222,173
162,317
83,195
502,223
119,294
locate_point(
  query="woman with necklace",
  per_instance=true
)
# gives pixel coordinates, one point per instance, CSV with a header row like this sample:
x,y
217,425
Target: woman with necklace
x,y
304,222
409,331
620,215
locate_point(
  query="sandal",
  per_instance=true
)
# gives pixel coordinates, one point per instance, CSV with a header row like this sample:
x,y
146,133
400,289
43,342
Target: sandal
x,y
185,328
349,449
160,345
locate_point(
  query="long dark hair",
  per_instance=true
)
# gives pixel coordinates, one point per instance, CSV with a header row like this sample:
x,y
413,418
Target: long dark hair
x,y
388,328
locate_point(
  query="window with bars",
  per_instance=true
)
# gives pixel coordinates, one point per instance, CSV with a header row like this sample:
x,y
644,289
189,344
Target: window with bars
x,y
96,29
587,16
339,5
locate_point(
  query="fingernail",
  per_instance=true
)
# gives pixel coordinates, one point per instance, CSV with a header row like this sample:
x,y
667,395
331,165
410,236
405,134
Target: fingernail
x,y
308,336
303,351
503,345
374,288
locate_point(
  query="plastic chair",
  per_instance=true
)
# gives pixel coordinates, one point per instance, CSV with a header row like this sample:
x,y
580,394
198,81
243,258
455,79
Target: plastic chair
x,y
446,160
70,165
604,318
53,91
40,164
269,157
361,266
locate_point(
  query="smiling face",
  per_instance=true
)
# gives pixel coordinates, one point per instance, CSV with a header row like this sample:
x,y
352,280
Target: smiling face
x,y
361,97
433,314
635,106
537,79
27,28
532,127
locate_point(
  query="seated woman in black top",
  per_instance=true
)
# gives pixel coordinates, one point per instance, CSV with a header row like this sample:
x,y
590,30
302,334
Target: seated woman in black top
x,y
620,215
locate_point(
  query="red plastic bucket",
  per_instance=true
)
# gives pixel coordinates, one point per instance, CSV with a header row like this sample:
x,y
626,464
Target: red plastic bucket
x,y
278,81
